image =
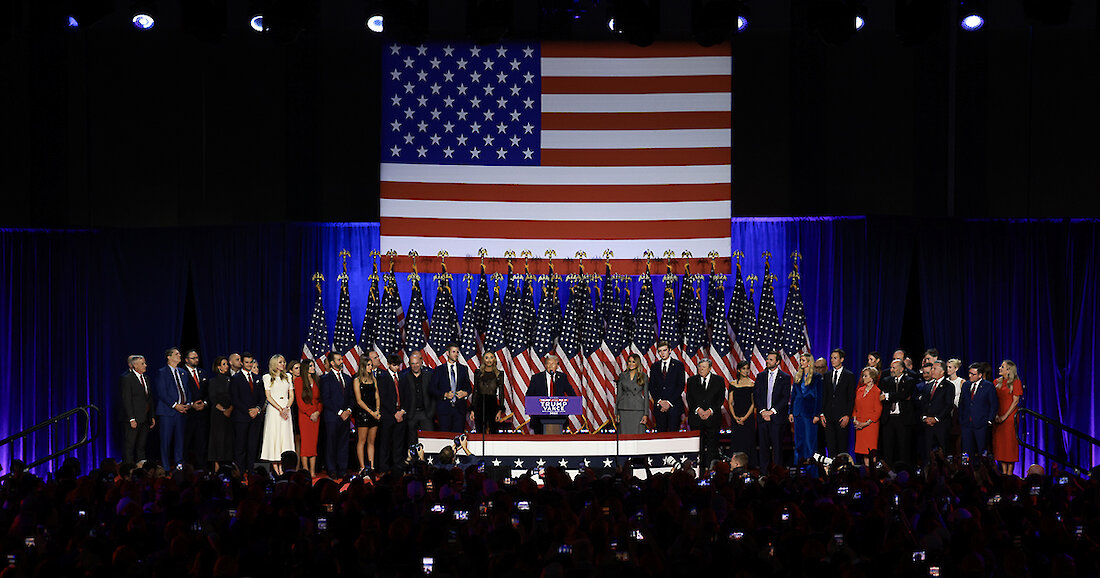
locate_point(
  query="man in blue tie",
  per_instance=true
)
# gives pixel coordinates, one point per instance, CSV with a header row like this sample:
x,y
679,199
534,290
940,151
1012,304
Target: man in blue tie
x,y
772,395
451,387
977,409
172,406
336,395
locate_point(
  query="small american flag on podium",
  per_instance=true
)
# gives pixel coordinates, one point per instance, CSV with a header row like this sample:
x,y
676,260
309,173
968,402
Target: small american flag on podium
x,y
524,146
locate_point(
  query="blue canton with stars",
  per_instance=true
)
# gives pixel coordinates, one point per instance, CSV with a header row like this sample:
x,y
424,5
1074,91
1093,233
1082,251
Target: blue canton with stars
x,y
461,104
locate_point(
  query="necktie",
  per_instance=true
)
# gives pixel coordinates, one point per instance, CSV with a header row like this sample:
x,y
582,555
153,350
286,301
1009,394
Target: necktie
x,y
454,378
771,386
935,384
396,389
836,377
973,390
195,377
248,376
664,367
550,384
179,385
141,378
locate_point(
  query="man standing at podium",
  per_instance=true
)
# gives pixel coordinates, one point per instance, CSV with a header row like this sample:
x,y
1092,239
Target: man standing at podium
x,y
549,383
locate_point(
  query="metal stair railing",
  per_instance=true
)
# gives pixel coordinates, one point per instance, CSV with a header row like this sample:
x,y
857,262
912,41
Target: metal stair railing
x,y
87,438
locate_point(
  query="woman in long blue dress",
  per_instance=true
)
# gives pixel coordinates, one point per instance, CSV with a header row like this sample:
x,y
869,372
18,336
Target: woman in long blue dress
x,y
805,408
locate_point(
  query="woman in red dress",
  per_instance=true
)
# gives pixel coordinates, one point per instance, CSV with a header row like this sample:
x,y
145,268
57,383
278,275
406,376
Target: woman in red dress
x,y
865,416
308,396
1006,449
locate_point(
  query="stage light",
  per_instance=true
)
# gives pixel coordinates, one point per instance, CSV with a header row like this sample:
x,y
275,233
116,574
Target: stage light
x,y
742,23
611,24
859,22
73,23
375,23
143,21
972,22
257,22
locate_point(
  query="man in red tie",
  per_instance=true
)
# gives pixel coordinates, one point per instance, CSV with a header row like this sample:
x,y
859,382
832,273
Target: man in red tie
x,y
247,393
137,410
667,379
392,398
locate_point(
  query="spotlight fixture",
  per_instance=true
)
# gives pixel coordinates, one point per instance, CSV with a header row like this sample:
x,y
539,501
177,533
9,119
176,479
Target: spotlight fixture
x,y
72,22
972,22
257,22
143,20
611,24
742,22
859,22
375,22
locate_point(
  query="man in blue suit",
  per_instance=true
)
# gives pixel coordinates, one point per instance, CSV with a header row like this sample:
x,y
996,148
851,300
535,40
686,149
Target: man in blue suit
x,y
977,409
772,396
549,383
247,394
451,388
937,404
172,406
337,397
667,380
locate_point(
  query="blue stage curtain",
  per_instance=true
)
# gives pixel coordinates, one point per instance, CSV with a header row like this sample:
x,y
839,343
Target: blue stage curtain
x,y
854,271
75,304
1025,291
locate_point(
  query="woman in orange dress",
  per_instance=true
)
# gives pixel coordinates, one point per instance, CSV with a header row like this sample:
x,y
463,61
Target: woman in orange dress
x,y
1006,449
865,416
308,396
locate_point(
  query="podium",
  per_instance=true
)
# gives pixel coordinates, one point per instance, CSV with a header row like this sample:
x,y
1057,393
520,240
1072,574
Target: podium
x,y
553,406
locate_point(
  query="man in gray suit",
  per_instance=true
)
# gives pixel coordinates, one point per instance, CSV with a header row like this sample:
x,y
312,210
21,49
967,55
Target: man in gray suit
x,y
137,409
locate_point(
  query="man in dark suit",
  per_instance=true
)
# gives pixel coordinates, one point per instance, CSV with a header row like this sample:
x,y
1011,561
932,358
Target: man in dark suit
x,y
549,383
898,415
421,407
836,407
451,387
337,397
196,428
772,396
977,410
936,409
666,388
137,410
705,393
247,393
173,403
393,399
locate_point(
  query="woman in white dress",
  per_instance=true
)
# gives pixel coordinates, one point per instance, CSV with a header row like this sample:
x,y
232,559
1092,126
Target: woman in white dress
x,y
278,429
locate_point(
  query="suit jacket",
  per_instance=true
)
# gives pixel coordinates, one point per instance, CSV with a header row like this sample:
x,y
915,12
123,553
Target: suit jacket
x,y
387,396
336,395
200,391
710,397
981,409
166,392
898,391
136,404
781,393
441,384
245,397
562,387
940,403
668,387
428,400
838,397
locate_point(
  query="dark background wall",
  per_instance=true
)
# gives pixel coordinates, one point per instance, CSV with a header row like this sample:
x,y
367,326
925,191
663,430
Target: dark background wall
x,y
108,126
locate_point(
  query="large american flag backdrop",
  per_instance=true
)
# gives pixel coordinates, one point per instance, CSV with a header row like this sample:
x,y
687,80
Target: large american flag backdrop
x,y
568,146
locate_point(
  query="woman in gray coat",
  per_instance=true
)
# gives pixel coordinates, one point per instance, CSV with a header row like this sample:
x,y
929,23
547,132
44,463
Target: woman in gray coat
x,y
630,397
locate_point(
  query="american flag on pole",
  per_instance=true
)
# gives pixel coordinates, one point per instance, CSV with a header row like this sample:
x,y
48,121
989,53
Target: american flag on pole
x,y
443,329
477,139
481,303
598,385
388,338
796,336
693,325
719,350
520,363
316,344
670,329
416,325
469,347
742,319
343,338
768,331
645,323
568,350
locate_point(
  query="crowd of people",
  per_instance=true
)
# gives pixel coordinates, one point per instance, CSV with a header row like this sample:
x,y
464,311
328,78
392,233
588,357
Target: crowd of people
x,y
846,520
233,414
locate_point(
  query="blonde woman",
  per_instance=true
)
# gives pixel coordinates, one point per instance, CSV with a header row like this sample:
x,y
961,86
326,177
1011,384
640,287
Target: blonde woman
x,y
1006,449
278,429
367,415
488,398
805,408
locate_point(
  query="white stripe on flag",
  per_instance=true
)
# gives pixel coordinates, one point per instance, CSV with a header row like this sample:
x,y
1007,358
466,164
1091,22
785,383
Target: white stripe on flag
x,y
636,139
538,175
553,66
512,210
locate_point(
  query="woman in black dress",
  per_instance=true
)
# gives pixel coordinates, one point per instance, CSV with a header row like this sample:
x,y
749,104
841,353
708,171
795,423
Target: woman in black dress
x,y
743,430
366,414
488,395
221,428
